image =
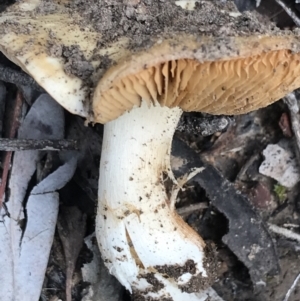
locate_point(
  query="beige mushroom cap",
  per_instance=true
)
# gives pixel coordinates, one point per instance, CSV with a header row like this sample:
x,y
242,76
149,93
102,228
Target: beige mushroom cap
x,y
218,76
219,66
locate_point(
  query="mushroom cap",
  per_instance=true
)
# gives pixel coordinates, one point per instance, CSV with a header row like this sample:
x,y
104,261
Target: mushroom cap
x,y
99,59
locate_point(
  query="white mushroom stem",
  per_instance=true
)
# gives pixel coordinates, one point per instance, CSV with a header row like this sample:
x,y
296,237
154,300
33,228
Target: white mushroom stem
x,y
141,237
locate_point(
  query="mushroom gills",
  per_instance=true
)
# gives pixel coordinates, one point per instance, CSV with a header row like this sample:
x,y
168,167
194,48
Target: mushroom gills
x,y
229,87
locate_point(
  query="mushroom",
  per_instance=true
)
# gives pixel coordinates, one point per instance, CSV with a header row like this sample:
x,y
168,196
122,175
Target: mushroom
x,y
139,92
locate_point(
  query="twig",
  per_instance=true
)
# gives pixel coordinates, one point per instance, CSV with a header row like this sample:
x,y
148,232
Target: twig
x,y
7,144
291,289
284,232
292,103
293,16
291,225
12,133
3,95
18,78
191,208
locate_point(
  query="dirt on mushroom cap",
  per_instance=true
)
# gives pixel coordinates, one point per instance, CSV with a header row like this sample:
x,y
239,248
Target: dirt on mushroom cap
x,y
141,20
145,21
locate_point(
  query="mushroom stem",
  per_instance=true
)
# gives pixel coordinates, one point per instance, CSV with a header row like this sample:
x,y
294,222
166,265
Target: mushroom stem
x,y
143,241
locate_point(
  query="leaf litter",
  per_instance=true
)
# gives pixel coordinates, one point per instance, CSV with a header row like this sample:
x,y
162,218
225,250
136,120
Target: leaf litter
x,y
27,228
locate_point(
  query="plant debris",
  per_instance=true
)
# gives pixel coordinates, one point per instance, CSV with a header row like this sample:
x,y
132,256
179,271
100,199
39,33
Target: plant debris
x,y
71,228
248,237
28,224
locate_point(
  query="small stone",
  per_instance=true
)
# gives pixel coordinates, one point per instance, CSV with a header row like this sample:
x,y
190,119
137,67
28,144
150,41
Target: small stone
x,y
281,165
132,2
186,4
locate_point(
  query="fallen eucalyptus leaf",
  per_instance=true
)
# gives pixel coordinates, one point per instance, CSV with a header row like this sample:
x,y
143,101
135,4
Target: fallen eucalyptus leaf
x,y
27,229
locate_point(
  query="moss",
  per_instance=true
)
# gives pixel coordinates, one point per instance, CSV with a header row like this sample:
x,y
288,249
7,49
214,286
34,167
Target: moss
x,y
281,192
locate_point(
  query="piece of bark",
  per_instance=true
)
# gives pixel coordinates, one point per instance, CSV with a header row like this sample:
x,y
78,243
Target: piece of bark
x,y
71,229
13,124
248,236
